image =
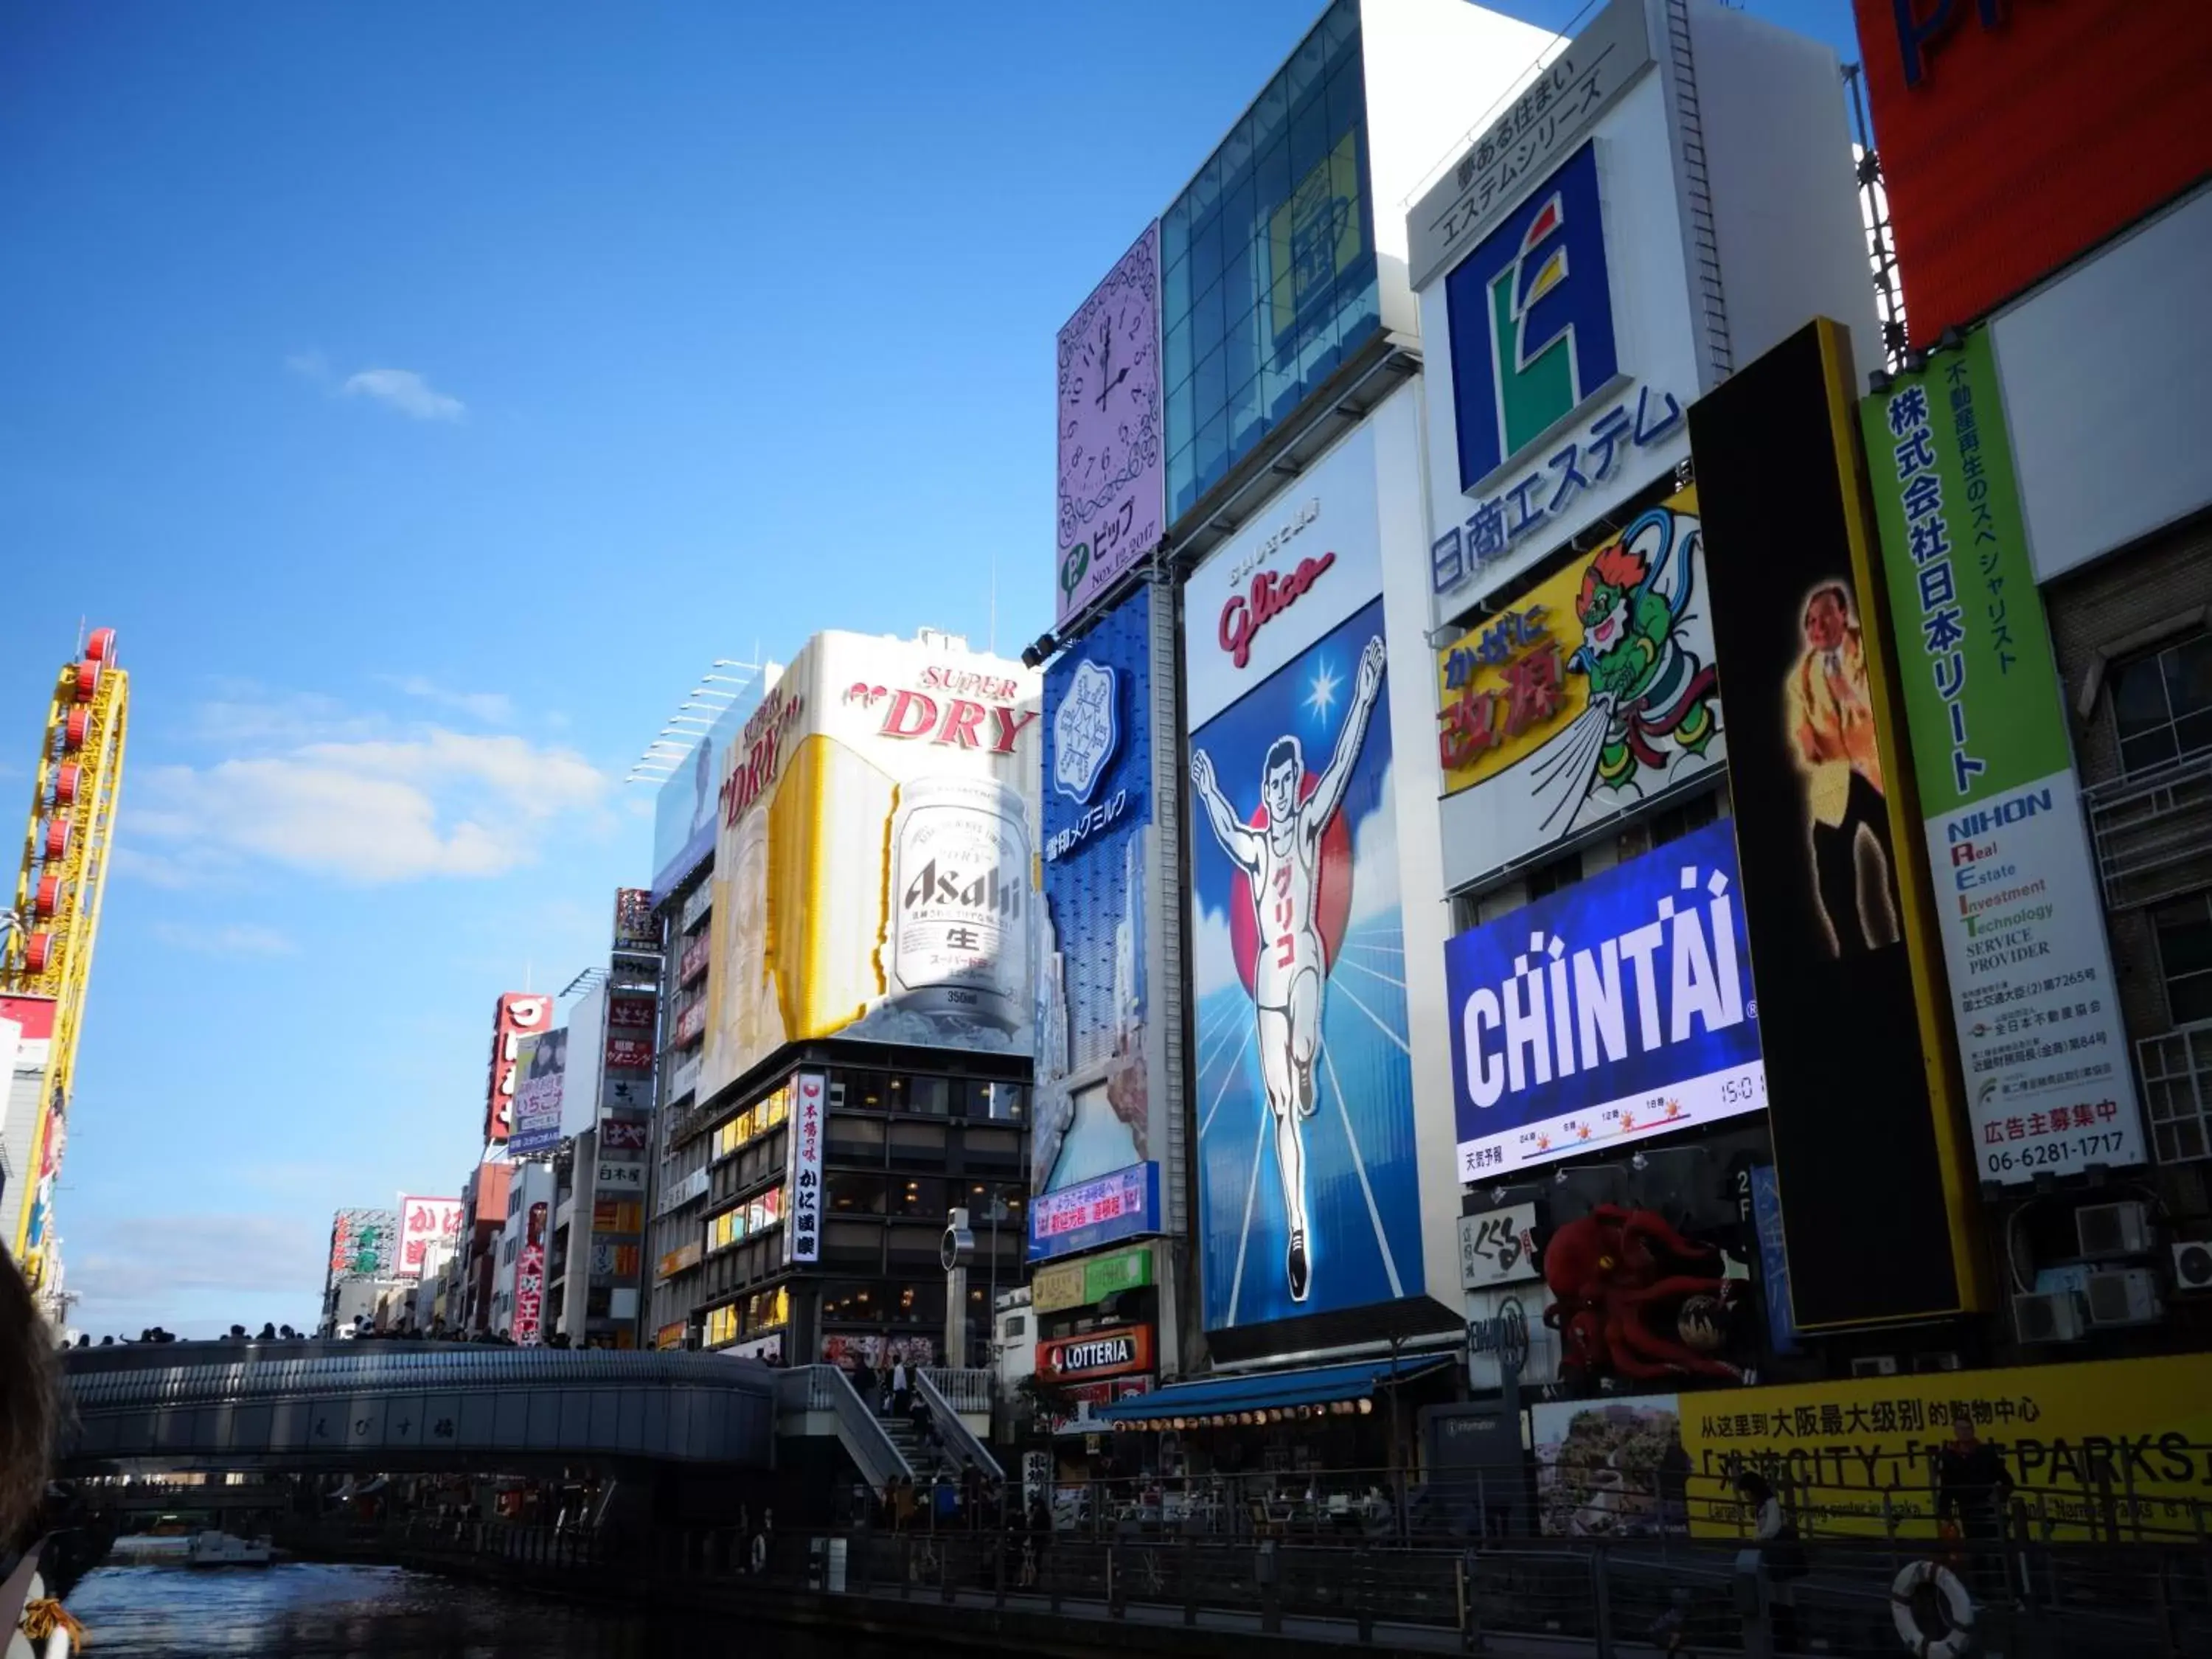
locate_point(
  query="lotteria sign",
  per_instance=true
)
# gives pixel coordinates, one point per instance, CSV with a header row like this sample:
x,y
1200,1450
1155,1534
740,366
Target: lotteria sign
x,y
1614,1009
1113,1352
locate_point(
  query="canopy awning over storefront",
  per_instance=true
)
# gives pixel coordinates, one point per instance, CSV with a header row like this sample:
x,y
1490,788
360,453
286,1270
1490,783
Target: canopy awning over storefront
x,y
1243,1399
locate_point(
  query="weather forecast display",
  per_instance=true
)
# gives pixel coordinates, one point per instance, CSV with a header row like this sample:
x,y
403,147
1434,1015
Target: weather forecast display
x,y
1616,1009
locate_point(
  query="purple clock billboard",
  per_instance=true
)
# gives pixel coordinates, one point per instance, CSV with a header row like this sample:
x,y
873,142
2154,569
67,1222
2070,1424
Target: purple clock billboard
x,y
1111,471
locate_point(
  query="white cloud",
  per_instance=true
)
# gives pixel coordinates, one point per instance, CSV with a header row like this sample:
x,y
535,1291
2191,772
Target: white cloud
x,y
491,708
371,810
152,1269
235,939
404,390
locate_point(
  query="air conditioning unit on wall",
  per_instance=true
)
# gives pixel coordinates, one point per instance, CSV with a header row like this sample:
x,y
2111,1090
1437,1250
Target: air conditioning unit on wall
x,y
2103,1230
2127,1296
1875,1364
2048,1316
2192,1266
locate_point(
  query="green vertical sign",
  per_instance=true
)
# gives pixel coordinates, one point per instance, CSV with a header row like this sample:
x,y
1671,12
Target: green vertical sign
x,y
1973,650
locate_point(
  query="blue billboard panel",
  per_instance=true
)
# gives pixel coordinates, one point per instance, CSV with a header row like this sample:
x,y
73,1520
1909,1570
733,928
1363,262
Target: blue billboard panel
x,y
1123,1205
1611,1011
1309,1200
1092,1107
684,811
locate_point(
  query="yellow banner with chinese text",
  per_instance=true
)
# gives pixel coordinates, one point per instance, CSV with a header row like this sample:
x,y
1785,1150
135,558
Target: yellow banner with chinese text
x,y
2124,1444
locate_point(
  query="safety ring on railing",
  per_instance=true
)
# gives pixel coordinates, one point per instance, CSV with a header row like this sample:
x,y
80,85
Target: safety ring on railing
x,y
760,1551
1955,1606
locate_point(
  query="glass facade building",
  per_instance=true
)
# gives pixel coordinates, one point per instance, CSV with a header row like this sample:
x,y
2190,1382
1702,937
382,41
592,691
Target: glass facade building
x,y
1268,261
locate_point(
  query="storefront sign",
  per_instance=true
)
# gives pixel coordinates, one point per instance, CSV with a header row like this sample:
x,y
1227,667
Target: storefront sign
x,y
802,1235
670,1336
676,1260
1502,1336
1116,1352
619,1177
683,1190
1498,1247
1611,1011
2049,1089
623,1134
1056,1287
1086,1283
1123,1205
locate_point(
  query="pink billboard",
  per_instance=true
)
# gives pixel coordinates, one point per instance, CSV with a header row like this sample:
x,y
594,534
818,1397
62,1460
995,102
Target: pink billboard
x,y
1112,455
423,1223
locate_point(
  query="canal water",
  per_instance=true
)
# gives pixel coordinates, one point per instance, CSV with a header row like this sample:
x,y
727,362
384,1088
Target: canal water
x,y
305,1610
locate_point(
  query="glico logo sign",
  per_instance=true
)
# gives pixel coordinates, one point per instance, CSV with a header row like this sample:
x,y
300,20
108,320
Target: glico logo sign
x,y
1270,595
1531,313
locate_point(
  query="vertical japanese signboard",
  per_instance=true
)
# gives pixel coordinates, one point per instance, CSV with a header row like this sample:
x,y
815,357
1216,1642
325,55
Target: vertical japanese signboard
x,y
516,1015
528,1326
2040,1040
802,1235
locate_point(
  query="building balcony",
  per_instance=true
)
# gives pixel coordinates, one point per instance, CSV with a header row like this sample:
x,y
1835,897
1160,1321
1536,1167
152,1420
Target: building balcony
x,y
2153,832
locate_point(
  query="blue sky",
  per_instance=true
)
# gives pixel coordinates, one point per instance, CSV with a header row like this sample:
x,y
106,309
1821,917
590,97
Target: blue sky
x,y
426,393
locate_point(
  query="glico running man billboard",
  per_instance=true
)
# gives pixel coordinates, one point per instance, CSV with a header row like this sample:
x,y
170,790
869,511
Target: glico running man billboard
x,y
1094,1111
872,871
1616,1009
1309,1200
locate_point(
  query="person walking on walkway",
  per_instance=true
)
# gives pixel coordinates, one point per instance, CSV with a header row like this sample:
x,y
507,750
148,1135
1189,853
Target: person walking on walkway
x,y
1779,1547
902,1388
1973,1490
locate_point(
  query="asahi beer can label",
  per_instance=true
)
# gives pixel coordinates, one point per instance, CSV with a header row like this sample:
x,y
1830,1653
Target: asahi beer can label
x,y
958,928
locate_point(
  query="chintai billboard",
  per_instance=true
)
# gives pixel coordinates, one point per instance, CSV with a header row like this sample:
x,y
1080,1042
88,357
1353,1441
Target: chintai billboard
x,y
1616,1009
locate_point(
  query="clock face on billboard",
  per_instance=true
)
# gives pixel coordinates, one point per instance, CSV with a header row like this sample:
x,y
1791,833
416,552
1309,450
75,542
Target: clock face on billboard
x,y
1105,387
1109,439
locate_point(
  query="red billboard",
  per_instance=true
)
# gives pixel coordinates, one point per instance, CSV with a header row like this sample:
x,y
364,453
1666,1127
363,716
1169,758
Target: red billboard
x,y
2014,137
529,1282
515,1016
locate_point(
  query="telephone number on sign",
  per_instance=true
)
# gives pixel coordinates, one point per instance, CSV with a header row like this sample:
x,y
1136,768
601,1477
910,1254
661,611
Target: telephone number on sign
x,y
2050,1154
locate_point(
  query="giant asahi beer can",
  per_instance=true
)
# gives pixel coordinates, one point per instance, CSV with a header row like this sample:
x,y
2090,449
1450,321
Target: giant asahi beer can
x,y
958,928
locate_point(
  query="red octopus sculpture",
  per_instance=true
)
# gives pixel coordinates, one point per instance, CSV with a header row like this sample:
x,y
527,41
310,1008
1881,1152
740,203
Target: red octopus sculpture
x,y
1609,1272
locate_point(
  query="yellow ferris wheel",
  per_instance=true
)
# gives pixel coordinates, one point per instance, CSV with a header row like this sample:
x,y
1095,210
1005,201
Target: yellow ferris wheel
x,y
46,938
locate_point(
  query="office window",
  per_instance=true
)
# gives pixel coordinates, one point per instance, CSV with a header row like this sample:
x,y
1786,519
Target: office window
x,y
2185,957
2162,704
1268,262
853,1195
918,1196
